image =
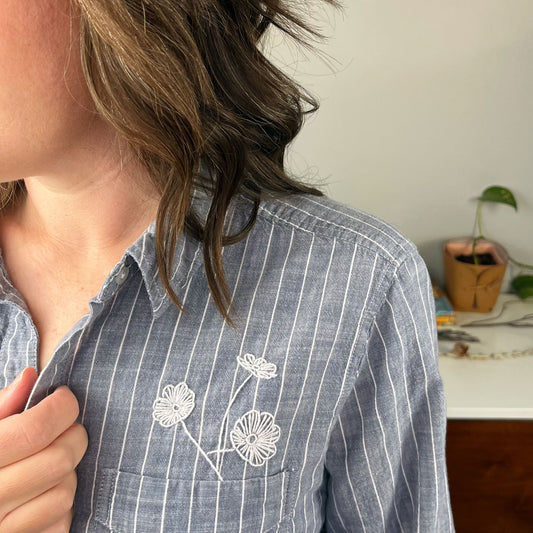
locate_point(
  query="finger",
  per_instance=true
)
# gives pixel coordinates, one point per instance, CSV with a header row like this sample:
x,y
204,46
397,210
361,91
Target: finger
x,y
14,397
47,511
27,433
62,526
25,480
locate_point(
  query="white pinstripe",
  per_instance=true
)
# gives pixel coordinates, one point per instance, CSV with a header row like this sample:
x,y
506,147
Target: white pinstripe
x,y
354,343
409,408
203,411
52,380
28,351
384,441
350,484
323,373
169,351
74,356
167,480
429,331
395,412
343,308
339,515
115,366
83,409
206,392
126,431
309,359
263,355
363,441
219,443
428,403
171,343
9,344
242,345
207,302
295,320
424,300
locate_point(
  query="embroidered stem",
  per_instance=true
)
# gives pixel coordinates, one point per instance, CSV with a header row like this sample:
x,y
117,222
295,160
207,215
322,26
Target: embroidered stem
x,y
204,455
221,451
223,430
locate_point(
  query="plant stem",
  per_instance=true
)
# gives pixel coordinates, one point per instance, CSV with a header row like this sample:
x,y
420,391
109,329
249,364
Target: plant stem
x,y
479,231
521,265
478,218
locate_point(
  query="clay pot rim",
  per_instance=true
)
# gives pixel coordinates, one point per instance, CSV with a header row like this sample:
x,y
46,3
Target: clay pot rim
x,y
463,245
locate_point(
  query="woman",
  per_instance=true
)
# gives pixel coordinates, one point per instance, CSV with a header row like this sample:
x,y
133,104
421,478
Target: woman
x,y
240,353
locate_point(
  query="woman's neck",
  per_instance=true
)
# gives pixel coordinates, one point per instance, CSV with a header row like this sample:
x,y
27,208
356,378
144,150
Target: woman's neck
x,y
94,215
87,218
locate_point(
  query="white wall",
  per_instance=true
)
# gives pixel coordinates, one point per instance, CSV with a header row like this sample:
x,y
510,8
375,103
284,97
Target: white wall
x,y
428,103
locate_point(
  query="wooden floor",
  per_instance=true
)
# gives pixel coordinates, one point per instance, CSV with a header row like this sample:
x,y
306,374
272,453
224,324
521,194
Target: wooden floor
x,y
490,468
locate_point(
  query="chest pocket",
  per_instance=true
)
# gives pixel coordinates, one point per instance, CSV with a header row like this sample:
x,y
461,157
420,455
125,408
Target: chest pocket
x,y
130,503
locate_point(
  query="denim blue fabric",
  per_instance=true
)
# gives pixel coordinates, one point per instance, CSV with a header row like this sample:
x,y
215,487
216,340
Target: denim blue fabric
x,y
322,410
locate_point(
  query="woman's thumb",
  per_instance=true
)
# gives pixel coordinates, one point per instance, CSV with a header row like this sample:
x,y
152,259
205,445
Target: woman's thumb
x,y
14,397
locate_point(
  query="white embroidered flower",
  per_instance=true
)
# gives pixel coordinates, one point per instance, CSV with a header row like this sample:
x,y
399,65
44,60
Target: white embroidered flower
x,y
174,405
259,366
254,437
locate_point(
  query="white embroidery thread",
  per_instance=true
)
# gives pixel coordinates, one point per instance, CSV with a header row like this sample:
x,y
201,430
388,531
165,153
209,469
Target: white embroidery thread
x,y
254,434
259,366
175,405
254,437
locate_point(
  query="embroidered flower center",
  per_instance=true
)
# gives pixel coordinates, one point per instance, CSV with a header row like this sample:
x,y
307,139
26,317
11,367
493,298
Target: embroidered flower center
x,y
251,439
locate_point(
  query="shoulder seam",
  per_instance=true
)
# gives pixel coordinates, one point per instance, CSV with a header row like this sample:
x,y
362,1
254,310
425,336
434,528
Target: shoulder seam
x,y
389,226
386,254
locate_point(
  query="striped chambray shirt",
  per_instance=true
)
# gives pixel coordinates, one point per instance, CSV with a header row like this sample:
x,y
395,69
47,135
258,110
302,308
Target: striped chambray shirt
x,y
322,410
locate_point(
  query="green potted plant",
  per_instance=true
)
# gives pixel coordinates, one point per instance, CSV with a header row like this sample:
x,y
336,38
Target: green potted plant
x,y
474,267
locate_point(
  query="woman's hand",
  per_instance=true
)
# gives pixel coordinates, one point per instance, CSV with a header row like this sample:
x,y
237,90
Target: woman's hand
x,y
39,451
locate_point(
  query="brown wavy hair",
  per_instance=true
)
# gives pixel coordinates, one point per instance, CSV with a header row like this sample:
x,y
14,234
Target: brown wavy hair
x,y
186,83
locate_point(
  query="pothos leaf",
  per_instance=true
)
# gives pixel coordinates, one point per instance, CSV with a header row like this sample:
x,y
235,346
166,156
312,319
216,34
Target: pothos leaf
x,y
500,195
523,285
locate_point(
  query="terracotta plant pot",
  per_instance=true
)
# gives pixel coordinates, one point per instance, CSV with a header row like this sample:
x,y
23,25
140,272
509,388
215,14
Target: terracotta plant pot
x,y
473,287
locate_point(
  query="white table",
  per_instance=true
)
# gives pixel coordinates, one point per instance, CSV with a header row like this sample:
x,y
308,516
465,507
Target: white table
x,y
490,426
491,388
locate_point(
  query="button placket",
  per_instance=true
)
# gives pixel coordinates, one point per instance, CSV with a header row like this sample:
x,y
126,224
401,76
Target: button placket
x,y
122,275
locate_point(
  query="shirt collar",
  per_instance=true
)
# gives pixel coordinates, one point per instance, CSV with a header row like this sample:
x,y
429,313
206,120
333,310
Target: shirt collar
x,y
188,252
187,257
8,293
143,252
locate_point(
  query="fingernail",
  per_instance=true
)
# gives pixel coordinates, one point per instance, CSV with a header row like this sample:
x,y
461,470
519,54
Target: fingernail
x,y
17,379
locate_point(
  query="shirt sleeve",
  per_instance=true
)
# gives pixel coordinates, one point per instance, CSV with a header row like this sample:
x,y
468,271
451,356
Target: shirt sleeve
x,y
385,465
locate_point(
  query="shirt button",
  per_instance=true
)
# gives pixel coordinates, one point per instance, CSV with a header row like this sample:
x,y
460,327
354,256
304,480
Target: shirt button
x,y
122,275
